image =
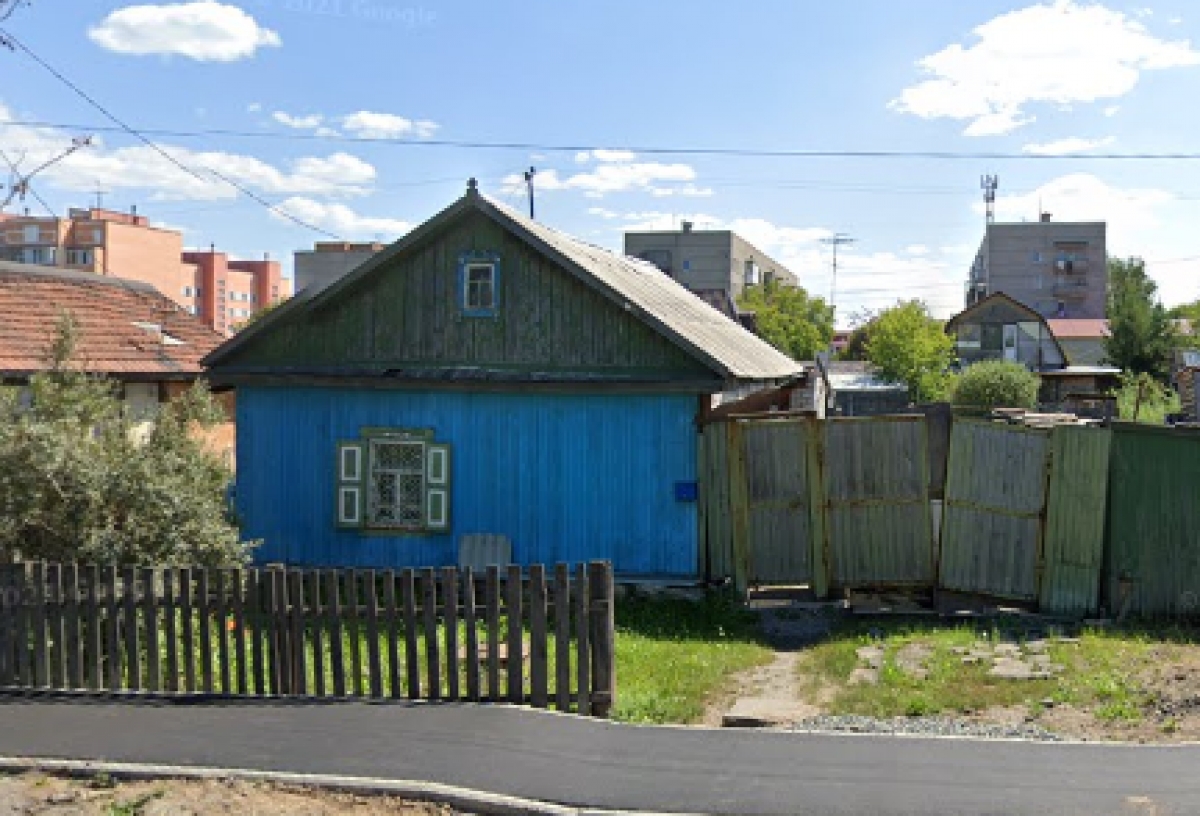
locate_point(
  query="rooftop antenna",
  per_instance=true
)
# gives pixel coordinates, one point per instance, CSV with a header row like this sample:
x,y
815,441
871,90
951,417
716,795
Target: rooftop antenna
x,y
18,186
989,185
100,193
836,240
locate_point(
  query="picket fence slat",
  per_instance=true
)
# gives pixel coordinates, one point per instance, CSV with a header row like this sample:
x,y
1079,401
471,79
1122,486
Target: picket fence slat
x,y
493,632
412,666
429,615
471,625
450,605
317,632
562,637
393,633
516,637
374,656
503,634
537,637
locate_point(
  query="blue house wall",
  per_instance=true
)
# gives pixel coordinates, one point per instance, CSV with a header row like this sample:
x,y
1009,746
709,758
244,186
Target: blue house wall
x,y
567,477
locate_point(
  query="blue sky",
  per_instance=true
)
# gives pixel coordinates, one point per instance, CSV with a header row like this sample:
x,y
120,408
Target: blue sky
x,y
295,86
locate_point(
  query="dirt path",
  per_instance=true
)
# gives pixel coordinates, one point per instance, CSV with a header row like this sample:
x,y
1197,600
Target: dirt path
x,y
769,696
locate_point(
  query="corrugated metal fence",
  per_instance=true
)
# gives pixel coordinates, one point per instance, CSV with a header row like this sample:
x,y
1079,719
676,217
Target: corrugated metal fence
x,y
845,503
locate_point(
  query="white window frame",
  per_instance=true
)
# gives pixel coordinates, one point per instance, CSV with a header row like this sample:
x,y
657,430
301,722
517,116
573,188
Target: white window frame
x,y
467,289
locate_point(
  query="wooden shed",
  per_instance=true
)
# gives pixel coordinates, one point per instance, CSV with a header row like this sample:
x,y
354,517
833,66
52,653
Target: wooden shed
x,y
485,376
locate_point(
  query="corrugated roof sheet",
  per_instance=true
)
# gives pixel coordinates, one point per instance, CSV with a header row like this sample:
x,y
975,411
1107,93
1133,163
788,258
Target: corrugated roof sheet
x,y
106,309
1078,327
709,332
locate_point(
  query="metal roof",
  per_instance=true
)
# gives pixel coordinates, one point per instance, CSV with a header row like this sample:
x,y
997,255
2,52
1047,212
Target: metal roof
x,y
669,307
639,287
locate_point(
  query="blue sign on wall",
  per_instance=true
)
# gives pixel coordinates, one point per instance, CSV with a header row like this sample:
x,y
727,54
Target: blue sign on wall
x,y
686,491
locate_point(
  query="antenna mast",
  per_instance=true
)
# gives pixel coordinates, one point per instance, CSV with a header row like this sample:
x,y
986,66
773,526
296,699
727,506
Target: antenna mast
x,y
835,240
989,185
18,186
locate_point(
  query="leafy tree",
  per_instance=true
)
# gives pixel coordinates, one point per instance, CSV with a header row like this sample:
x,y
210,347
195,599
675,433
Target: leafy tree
x,y
856,346
790,320
1141,336
996,384
909,346
1142,398
80,482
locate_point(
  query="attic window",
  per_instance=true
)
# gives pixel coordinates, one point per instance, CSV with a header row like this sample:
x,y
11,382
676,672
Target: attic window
x,y
479,283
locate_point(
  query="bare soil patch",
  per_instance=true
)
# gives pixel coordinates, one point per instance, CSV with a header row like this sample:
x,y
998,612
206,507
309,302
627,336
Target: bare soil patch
x,y
39,795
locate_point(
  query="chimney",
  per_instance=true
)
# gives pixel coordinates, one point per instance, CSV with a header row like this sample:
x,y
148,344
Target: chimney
x,y
687,226
1045,218
133,210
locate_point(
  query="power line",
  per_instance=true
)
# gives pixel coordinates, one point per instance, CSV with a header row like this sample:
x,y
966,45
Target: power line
x,y
13,41
742,152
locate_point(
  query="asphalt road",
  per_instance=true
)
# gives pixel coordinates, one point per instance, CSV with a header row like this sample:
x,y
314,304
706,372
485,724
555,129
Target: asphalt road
x,y
574,761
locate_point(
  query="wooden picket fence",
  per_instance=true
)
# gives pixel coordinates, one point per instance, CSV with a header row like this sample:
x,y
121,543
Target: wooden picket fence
x,y
503,635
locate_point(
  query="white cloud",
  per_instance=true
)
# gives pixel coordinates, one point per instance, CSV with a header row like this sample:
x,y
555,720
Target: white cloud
x,y
340,219
1112,110
312,120
614,171
204,31
1065,147
1060,53
140,167
917,249
254,107
1130,212
373,125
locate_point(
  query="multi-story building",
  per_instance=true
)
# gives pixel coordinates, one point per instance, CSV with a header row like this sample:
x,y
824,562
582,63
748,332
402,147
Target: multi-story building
x,y
223,292
327,261
1057,268
707,260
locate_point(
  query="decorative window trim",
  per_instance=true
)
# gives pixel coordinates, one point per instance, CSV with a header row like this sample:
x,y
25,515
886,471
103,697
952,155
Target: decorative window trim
x,y
359,477
476,258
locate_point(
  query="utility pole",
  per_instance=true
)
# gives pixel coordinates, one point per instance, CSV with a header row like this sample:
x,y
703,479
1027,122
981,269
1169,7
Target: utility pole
x,y
529,174
836,240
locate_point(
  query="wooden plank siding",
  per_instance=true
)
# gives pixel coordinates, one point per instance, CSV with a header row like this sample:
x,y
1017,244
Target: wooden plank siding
x,y
410,316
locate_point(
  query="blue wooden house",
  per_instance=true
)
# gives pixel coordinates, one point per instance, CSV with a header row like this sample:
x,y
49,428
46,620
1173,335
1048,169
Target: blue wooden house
x,y
484,375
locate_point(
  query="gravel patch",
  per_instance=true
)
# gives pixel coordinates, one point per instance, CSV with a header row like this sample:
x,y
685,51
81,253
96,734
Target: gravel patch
x,y
924,726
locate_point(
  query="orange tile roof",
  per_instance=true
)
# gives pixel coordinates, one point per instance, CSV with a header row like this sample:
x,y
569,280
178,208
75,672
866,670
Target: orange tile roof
x,y
1078,328
106,309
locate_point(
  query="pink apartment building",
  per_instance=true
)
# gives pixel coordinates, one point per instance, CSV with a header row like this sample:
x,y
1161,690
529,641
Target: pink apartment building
x,y
223,292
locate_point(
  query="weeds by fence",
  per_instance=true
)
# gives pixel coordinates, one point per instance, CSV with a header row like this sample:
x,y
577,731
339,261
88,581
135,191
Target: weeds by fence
x,y
499,636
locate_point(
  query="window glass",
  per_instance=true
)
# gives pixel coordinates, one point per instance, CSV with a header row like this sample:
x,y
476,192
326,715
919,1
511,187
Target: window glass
x,y
481,291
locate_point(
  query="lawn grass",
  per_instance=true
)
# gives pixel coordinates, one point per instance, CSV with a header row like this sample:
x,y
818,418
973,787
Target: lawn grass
x,y
950,687
673,655
1103,672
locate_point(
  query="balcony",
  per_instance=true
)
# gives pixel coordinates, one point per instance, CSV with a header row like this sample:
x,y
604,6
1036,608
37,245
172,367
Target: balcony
x,y
1071,288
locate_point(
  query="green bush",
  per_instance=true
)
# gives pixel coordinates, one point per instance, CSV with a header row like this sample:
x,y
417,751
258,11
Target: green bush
x,y
996,384
79,482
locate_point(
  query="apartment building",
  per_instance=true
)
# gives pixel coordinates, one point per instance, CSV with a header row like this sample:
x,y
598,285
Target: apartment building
x,y
223,292
327,261
706,260
1059,269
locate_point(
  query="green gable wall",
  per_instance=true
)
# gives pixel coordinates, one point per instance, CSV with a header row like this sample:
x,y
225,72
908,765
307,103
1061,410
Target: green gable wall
x,y
407,315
